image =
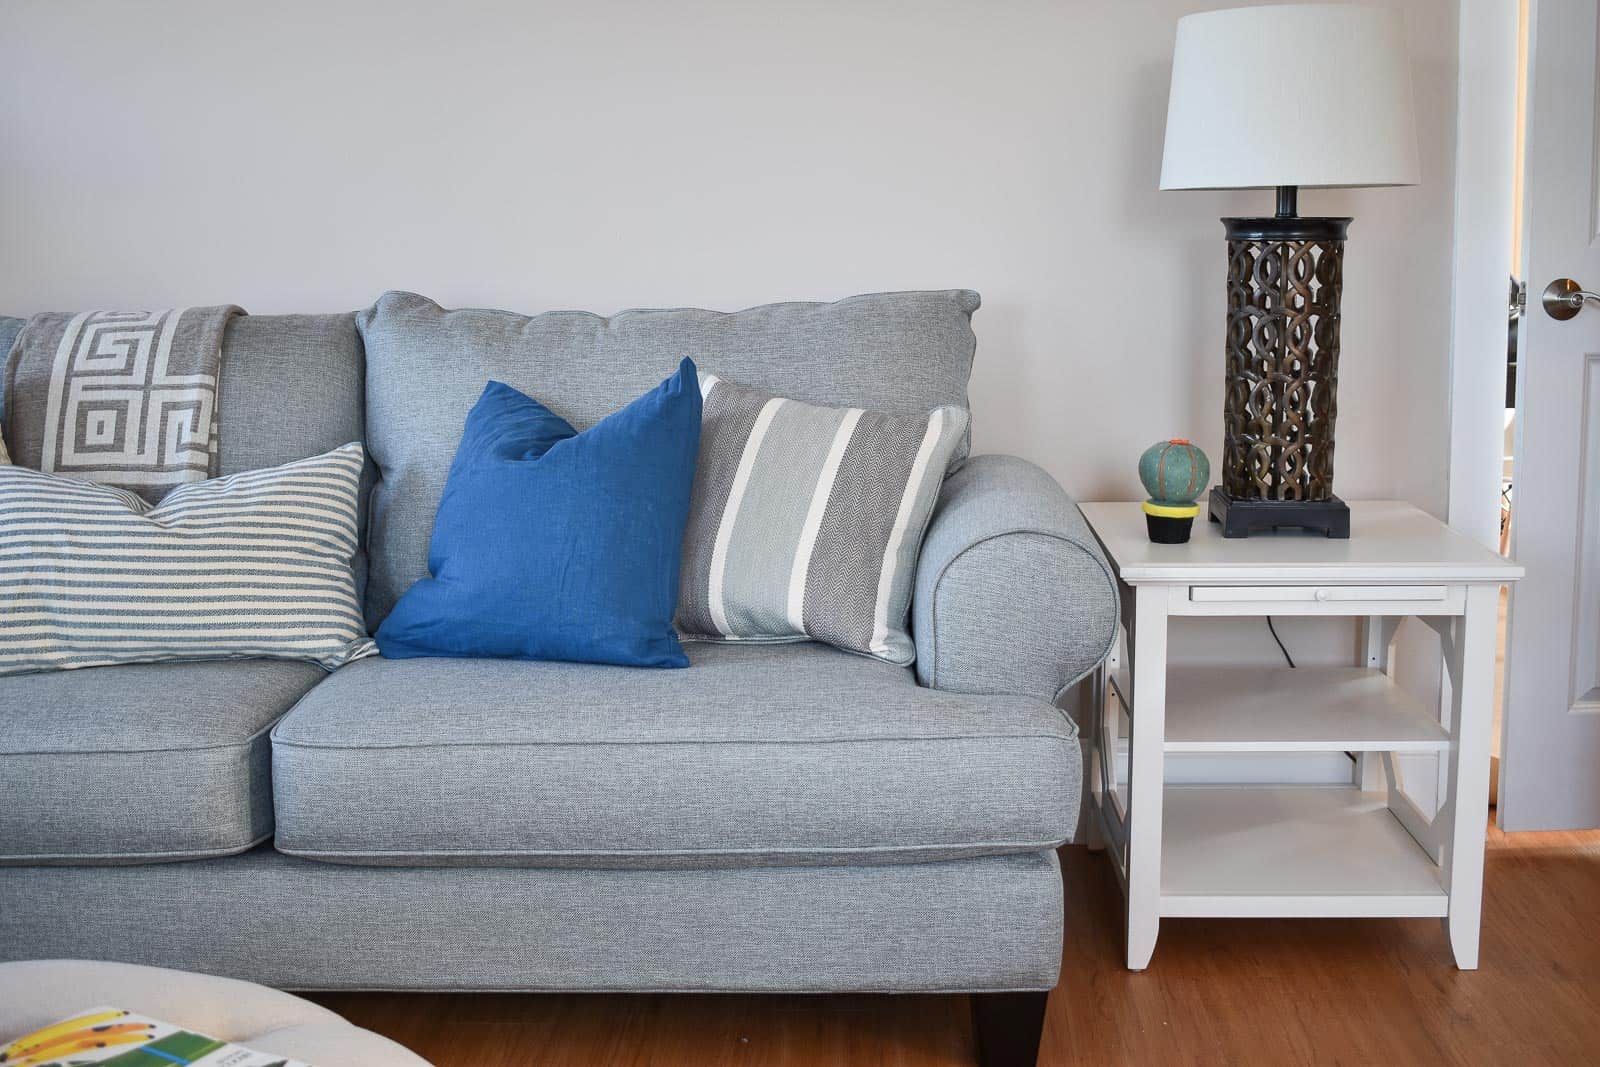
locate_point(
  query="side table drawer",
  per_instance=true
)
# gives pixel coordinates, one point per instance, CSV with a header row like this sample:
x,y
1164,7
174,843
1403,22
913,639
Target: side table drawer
x,y
1321,600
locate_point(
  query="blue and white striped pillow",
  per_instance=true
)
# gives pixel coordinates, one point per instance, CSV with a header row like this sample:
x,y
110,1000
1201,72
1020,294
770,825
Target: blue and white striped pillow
x,y
254,564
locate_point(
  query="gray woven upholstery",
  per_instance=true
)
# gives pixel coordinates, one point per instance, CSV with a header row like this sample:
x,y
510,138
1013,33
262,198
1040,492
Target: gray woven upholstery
x,y
768,754
981,924
1013,594
896,352
292,386
135,764
9,328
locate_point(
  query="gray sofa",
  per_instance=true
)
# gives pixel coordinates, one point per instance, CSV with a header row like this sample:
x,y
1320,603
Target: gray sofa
x,y
775,818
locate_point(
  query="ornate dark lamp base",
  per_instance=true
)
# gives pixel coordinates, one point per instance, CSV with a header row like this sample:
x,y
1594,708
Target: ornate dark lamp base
x,y
1284,279
1241,518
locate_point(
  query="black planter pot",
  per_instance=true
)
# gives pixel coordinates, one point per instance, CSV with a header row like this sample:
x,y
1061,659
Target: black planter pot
x,y
1169,524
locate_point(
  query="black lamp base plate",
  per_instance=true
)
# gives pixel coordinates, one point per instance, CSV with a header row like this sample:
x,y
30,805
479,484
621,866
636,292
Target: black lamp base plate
x,y
1241,518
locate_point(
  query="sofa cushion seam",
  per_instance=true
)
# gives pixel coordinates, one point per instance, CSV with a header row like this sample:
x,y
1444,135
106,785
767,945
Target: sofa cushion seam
x,y
279,740
91,858
248,742
1007,848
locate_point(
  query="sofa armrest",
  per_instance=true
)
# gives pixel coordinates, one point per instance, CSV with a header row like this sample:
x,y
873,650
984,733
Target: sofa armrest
x,y
1013,594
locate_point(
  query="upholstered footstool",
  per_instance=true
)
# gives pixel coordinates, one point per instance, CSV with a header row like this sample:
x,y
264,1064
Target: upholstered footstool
x,y
36,993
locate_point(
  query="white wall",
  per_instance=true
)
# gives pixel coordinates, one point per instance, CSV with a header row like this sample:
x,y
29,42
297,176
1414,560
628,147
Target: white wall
x,y
305,156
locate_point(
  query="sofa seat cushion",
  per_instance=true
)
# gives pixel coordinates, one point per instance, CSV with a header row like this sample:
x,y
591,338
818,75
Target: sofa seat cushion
x,y
141,763
773,754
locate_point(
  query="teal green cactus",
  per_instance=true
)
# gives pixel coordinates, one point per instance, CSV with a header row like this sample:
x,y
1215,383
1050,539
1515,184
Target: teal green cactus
x,y
1174,472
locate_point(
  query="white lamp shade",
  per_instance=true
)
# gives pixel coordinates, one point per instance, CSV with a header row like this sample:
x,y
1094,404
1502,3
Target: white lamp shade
x,y
1302,94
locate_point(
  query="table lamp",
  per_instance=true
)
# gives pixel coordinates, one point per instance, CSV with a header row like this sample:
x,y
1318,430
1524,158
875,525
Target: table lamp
x,y
1314,95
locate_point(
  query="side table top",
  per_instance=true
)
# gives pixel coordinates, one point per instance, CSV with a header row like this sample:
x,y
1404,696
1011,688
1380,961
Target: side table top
x,y
1390,541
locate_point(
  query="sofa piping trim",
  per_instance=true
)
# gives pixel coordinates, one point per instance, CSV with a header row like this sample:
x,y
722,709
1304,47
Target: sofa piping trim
x,y
994,848
245,743
1070,736
93,859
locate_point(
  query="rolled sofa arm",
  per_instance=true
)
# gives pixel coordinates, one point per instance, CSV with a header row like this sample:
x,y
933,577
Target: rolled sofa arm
x,y
1013,594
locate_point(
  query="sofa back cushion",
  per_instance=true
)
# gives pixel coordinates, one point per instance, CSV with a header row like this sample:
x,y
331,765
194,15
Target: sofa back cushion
x,y
291,387
904,353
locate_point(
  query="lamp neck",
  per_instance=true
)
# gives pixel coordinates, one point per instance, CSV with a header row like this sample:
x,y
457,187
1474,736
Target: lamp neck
x,y
1288,201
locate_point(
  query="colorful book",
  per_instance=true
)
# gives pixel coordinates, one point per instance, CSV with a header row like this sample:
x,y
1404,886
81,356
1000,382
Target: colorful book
x,y
112,1037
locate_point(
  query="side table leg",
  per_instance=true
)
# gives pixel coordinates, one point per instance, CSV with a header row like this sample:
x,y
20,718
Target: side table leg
x,y
1091,705
1377,632
1146,771
1472,675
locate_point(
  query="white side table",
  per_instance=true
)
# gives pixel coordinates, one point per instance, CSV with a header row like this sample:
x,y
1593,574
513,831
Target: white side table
x,y
1366,849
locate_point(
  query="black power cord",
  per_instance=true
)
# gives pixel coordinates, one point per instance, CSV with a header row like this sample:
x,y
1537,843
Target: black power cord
x,y
1287,658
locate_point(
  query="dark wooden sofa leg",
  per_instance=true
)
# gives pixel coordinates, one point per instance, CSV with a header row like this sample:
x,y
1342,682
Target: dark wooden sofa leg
x,y
1009,1026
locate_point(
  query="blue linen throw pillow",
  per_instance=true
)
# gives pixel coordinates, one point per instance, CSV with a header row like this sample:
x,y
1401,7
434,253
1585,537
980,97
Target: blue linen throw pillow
x,y
550,544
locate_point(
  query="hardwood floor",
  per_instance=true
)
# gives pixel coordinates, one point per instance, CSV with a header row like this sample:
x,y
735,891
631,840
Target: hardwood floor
x,y
1268,991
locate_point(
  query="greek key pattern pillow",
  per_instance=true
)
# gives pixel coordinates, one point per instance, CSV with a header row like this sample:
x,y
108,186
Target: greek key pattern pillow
x,y
806,521
254,564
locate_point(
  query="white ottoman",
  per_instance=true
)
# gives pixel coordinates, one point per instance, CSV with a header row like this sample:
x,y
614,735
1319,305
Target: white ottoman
x,y
35,993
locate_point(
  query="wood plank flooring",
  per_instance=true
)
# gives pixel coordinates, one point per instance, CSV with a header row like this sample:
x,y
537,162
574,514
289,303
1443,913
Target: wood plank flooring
x,y
1268,991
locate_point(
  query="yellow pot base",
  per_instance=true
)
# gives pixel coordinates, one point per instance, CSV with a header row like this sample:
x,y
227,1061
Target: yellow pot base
x,y
1171,511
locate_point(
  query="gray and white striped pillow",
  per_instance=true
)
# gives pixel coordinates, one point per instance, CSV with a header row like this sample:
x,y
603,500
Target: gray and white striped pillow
x,y
254,564
806,521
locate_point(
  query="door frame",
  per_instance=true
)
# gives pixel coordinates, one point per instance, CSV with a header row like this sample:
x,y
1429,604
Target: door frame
x,y
1485,190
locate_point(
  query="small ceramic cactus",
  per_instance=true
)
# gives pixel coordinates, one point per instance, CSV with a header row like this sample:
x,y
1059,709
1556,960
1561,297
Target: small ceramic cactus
x,y
1174,473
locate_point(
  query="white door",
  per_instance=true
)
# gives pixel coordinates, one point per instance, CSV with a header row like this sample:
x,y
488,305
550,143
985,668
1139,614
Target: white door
x,y
1550,751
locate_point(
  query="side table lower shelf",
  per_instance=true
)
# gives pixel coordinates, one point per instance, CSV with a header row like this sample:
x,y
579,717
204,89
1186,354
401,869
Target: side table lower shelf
x,y
1291,851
